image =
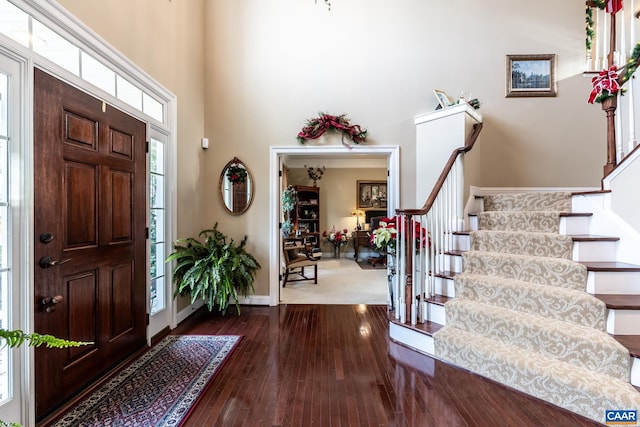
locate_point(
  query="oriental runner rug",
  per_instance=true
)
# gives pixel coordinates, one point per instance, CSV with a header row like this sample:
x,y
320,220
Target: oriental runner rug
x,y
158,389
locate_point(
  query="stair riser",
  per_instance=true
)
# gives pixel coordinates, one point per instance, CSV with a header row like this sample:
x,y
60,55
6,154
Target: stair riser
x,y
595,251
451,263
445,287
623,322
411,338
461,242
613,282
573,225
436,314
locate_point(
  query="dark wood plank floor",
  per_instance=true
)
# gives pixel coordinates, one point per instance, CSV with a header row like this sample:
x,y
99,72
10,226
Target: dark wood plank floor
x,y
334,365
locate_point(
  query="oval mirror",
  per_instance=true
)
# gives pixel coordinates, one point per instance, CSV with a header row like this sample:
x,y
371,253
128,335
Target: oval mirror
x,y
236,187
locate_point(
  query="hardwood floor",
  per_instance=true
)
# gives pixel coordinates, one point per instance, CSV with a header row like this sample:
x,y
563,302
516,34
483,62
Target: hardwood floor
x,y
334,365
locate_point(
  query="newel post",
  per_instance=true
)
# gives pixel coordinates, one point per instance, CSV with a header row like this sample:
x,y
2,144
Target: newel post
x,y
408,256
609,106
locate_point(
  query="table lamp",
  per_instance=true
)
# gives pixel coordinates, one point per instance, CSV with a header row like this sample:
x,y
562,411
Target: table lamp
x,y
357,213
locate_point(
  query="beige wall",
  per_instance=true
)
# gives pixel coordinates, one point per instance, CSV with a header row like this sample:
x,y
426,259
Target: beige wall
x,y
263,68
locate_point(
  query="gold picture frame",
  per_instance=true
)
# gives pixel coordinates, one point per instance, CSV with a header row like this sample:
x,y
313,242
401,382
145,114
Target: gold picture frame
x,y
531,75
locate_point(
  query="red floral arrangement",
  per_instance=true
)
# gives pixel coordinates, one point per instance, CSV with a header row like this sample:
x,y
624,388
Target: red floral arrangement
x,y
338,238
316,127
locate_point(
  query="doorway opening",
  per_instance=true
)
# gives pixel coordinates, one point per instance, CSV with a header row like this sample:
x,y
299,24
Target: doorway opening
x,y
337,156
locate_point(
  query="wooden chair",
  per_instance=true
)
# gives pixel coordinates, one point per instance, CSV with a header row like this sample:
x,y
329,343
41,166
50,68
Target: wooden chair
x,y
297,256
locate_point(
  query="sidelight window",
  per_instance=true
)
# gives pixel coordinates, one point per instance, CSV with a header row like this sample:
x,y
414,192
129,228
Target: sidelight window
x,y
157,178
5,221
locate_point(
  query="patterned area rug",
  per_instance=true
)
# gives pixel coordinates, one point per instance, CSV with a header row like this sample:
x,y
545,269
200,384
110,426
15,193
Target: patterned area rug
x,y
158,389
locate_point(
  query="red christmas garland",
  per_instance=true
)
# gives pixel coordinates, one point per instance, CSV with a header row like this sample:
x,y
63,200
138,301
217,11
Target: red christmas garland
x,y
316,127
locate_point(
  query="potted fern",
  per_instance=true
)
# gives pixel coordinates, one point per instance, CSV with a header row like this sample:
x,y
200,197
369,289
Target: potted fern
x,y
214,270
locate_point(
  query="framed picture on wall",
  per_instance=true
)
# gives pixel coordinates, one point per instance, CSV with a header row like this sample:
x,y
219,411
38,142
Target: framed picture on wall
x,y
371,194
531,75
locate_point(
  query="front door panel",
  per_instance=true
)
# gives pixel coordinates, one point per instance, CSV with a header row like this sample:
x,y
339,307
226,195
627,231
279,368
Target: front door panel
x,y
90,204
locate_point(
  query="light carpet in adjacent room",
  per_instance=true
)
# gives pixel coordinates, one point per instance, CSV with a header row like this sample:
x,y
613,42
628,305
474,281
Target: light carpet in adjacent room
x,y
340,281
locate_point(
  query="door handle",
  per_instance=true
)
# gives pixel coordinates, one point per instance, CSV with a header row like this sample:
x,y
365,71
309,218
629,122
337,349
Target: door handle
x,y
47,261
49,303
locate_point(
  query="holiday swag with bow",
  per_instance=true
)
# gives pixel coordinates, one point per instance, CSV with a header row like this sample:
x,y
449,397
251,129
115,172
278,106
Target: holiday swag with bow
x,y
316,127
609,82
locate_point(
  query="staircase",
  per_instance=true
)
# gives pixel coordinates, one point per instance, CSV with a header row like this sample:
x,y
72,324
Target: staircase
x,y
528,298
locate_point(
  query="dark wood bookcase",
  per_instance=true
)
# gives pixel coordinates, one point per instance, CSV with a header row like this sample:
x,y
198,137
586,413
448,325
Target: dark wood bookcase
x,y
306,215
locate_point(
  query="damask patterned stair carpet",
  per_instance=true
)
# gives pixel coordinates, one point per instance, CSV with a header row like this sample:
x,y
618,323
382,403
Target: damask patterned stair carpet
x,y
158,389
522,315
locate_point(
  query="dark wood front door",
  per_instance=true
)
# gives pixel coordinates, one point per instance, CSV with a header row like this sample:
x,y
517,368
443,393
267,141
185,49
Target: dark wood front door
x,y
90,204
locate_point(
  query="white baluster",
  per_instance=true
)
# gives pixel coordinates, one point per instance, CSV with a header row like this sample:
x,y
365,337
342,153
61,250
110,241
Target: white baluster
x,y
630,91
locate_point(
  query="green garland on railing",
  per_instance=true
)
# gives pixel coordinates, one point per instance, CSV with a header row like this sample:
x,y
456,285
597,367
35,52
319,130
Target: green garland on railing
x,y
600,4
589,25
632,64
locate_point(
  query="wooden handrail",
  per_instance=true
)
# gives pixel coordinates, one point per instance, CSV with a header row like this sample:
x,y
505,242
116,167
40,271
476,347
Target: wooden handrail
x,y
468,145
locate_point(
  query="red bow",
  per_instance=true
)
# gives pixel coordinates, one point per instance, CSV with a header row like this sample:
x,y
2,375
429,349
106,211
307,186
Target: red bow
x,y
607,80
613,6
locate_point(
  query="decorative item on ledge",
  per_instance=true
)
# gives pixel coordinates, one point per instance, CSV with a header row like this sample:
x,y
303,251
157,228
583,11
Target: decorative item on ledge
x,y
358,213
235,172
315,173
316,127
326,2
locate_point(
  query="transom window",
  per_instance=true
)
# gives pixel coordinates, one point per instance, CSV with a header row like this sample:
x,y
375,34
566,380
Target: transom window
x,y
29,32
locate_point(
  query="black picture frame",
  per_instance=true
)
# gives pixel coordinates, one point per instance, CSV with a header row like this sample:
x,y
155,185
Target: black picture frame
x,y
371,194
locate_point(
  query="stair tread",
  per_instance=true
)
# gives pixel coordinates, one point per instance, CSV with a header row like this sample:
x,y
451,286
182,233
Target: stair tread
x,y
428,328
631,342
575,237
609,266
574,193
562,214
446,274
438,299
455,252
591,192
620,301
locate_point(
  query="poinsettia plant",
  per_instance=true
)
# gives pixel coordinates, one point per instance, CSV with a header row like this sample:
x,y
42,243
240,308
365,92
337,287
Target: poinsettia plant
x,y
337,237
384,238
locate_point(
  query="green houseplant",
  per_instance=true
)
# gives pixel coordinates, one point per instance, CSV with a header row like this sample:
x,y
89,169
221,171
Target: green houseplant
x,y
289,200
213,270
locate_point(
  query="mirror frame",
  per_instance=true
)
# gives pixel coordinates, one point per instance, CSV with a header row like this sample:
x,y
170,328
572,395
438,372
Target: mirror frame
x,y
223,179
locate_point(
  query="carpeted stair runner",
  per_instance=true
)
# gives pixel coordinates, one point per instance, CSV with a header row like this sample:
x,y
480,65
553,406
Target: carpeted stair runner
x,y
522,317
523,243
547,301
